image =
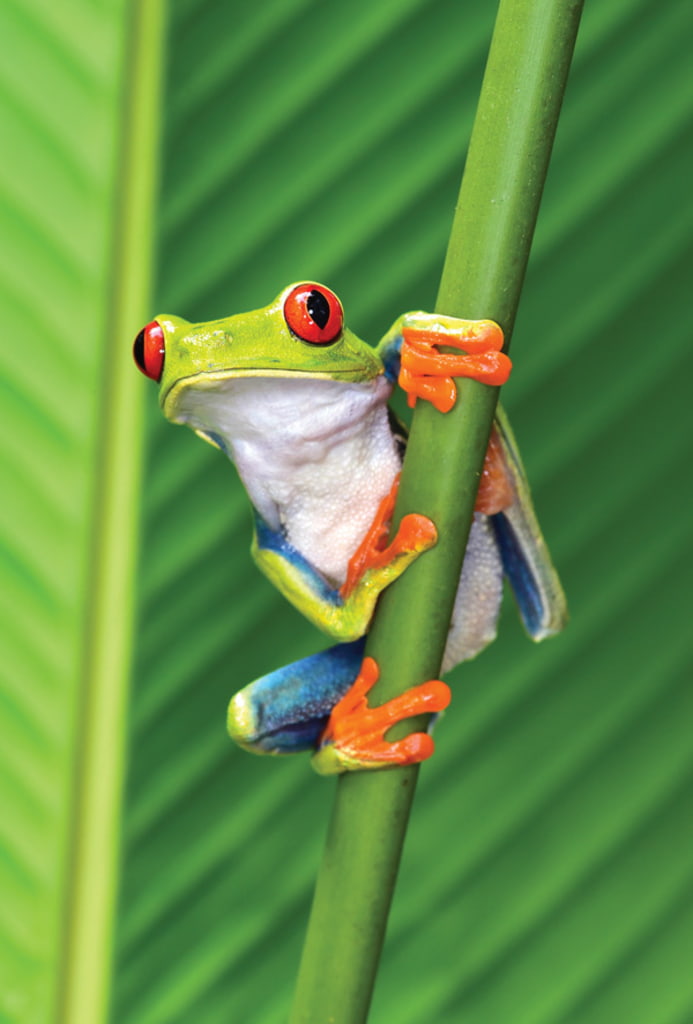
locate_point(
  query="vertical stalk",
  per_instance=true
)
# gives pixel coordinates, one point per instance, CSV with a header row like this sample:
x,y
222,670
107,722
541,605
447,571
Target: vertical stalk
x,y
85,969
484,269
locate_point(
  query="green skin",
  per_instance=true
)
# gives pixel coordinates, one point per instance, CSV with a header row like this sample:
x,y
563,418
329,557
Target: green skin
x,y
307,426
202,357
256,344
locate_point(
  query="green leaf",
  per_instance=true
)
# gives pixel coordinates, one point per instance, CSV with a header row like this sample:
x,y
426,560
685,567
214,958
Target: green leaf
x,y
546,876
73,283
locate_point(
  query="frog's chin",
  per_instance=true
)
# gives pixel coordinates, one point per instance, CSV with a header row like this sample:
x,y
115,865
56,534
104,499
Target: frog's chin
x,y
304,448
177,396
282,411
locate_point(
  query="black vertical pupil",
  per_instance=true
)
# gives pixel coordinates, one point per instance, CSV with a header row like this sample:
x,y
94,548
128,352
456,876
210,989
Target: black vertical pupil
x,y
318,308
138,350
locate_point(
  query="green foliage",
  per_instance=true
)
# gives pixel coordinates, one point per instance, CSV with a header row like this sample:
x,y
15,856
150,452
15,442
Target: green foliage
x,y
60,125
547,875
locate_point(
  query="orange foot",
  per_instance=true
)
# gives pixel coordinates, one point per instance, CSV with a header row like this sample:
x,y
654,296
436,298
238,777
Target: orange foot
x,y
354,736
416,533
427,373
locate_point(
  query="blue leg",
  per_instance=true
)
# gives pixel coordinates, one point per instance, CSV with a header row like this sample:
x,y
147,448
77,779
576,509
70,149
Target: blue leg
x,y
286,711
526,560
518,568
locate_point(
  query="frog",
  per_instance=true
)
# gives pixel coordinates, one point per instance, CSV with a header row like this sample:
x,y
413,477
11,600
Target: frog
x,y
301,406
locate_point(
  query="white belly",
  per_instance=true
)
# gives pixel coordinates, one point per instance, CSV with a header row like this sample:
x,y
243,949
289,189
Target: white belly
x,y
316,456
327,514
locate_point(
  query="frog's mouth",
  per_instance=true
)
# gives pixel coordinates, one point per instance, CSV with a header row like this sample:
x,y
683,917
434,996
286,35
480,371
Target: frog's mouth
x,y
204,383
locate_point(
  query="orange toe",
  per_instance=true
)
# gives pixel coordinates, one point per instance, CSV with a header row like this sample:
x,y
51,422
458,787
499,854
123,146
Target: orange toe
x,y
429,374
355,733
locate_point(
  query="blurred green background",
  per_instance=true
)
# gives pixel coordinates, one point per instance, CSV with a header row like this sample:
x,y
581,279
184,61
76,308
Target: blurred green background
x,y
548,872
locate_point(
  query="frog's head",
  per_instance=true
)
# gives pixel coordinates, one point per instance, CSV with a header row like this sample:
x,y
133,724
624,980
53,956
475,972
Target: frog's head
x,y
300,334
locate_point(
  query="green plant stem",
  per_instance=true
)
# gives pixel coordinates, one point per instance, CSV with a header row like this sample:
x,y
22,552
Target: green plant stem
x,y
85,966
484,269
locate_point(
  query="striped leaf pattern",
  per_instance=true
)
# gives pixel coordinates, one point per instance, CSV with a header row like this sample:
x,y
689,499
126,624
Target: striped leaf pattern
x,y
60,90
547,877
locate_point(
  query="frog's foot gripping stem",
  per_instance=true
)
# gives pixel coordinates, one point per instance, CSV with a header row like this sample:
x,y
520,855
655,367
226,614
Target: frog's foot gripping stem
x,y
427,373
354,737
416,533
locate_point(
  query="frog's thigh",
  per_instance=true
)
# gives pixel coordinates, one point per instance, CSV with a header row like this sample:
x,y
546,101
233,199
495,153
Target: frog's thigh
x,y
285,712
478,598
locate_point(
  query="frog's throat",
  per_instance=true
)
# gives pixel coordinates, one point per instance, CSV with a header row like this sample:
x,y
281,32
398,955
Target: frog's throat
x,y
209,380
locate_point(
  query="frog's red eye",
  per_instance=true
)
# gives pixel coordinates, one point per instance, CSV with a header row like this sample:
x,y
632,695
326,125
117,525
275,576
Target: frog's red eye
x,y
149,350
314,313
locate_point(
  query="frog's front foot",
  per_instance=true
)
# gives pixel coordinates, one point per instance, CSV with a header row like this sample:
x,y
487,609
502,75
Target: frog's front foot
x,y
416,533
427,373
354,737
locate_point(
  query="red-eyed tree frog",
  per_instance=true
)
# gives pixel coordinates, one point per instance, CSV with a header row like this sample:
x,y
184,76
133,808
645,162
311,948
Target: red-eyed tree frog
x,y
300,405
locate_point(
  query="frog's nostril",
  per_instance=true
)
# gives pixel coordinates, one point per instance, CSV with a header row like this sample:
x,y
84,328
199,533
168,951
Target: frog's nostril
x,y
149,350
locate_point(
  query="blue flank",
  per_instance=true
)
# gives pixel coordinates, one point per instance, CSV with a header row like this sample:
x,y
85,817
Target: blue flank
x,y
216,439
291,706
524,585
390,354
273,540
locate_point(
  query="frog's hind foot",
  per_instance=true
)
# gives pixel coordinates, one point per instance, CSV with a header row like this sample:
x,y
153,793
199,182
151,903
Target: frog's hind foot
x,y
354,737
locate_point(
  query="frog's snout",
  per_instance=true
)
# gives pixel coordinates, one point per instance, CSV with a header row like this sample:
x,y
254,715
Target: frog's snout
x,y
149,350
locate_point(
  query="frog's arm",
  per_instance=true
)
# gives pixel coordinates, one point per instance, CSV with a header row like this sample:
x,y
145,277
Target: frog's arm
x,y
409,357
389,349
345,612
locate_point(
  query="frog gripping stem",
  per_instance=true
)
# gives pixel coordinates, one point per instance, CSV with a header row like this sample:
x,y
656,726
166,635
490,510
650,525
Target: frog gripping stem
x,y
427,373
416,533
354,737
